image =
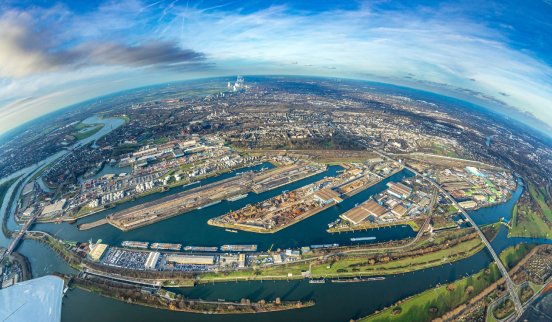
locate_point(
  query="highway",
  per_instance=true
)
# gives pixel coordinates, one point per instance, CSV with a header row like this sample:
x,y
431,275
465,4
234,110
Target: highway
x,y
509,283
530,302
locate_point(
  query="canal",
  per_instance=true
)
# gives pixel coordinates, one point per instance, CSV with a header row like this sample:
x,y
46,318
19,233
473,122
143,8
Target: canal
x,y
334,301
192,229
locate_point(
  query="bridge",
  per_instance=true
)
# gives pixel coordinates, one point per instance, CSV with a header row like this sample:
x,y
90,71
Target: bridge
x,y
17,238
509,283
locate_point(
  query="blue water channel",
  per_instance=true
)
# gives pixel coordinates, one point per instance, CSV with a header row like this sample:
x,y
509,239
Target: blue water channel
x,y
334,301
192,229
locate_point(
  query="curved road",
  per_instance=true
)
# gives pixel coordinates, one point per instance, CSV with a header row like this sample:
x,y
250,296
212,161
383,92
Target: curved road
x,y
509,283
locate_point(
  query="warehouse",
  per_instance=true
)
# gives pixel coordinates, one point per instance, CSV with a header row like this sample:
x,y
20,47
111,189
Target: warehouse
x,y
399,190
97,251
399,210
54,209
190,259
363,211
327,195
151,262
356,215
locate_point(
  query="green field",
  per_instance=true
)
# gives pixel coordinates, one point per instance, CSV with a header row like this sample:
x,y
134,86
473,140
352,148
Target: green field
x,y
352,266
80,135
437,301
527,222
540,197
512,255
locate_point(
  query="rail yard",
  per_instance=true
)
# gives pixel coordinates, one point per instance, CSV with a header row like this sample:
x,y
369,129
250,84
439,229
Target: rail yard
x,y
210,194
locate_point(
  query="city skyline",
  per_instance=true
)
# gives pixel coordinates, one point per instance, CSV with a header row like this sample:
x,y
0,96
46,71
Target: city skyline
x,y
56,55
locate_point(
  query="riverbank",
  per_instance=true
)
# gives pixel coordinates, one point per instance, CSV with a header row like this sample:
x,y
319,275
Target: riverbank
x,y
85,212
343,262
532,215
413,223
162,299
449,301
362,261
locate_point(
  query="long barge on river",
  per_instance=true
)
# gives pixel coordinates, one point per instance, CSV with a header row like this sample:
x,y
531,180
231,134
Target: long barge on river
x,y
200,249
324,246
358,279
358,239
238,248
135,244
166,246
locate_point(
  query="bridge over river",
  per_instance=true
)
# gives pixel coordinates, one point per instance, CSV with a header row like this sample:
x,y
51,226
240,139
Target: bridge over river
x,y
509,283
13,244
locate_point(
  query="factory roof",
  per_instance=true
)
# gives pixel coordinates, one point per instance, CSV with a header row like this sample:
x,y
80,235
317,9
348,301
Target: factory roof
x,y
374,208
399,210
97,251
356,215
399,188
58,206
191,259
328,194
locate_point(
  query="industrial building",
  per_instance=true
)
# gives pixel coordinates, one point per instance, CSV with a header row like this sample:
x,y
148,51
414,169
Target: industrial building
x,y
97,251
54,209
361,212
327,195
151,262
468,204
190,259
241,260
399,210
399,190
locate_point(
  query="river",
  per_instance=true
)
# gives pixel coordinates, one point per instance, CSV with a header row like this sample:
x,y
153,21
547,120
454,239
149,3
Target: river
x,y
192,228
334,301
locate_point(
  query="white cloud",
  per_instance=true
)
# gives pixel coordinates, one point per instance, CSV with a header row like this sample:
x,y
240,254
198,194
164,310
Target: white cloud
x,y
430,45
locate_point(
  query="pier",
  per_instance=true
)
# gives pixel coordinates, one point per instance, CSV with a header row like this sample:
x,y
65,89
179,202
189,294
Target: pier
x,y
90,225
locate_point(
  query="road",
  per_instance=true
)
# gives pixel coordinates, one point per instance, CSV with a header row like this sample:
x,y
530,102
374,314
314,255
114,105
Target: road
x,y
529,302
509,283
25,175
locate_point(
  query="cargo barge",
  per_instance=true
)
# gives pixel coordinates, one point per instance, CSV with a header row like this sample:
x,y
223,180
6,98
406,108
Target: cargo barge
x,y
165,246
238,248
324,246
357,239
200,249
358,279
317,281
135,244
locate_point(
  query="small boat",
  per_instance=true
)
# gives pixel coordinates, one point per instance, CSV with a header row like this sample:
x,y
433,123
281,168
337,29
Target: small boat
x,y
231,230
317,281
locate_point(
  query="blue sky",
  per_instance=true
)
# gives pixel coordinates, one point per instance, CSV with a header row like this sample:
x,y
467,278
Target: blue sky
x,y
494,53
